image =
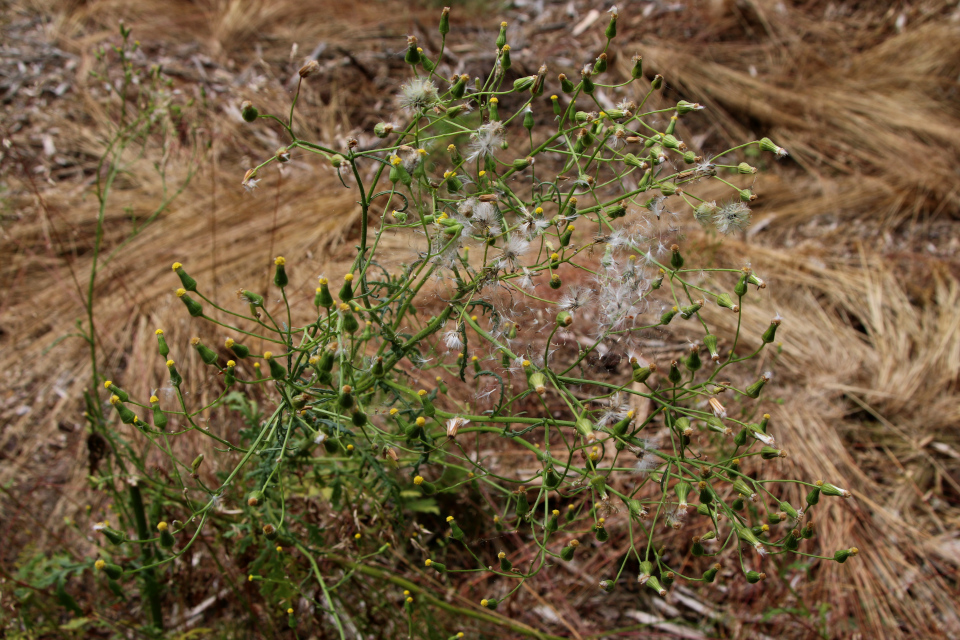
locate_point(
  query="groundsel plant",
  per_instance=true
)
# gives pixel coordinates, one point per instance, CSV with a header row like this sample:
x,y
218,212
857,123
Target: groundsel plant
x,y
521,205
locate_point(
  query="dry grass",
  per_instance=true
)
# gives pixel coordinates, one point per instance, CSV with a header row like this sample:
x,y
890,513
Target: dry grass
x,y
858,235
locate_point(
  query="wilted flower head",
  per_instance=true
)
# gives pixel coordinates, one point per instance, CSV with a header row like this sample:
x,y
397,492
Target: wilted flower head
x,y
734,216
454,424
418,95
485,141
576,297
513,250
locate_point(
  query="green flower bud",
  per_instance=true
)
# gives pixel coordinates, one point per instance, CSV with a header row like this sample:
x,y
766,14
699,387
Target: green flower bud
x,y
637,71
459,86
601,64
657,82
640,374
792,541
668,188
710,574
166,537
674,376
668,315
611,31
808,531
710,342
754,577
412,56
676,259
567,552
553,523
746,169
814,496
175,378
771,333
600,533
615,211
654,584
753,391
193,307
502,37
766,144
113,571
445,21
115,537
724,300
584,427
555,282
832,490
346,291
769,453
208,355
684,107
505,564
690,310
428,488
586,83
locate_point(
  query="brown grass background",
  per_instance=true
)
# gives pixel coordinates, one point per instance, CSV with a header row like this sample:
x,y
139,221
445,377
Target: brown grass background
x,y
857,234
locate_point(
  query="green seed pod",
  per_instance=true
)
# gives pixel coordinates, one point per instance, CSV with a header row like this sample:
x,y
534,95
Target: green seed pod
x,y
814,496
832,490
359,418
676,259
684,107
636,510
692,361
640,374
754,577
771,333
668,189
742,488
565,85
175,378
711,574
459,86
253,299
766,144
521,163
611,31
792,541
774,518
523,507
238,349
445,21
688,311
586,83
657,82
710,342
769,453
637,71
746,169
689,157
808,531
115,537
601,64
741,438
505,564
567,552
193,307
740,289
716,425
674,376
724,300
345,399
615,211
737,504
654,584
746,195
208,355
670,141
248,111
584,427
753,391
412,56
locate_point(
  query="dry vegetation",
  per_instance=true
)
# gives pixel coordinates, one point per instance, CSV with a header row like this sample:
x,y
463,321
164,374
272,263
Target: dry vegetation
x,y
857,233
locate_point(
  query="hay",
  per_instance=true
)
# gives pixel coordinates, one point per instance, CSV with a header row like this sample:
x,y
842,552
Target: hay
x,y
853,234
